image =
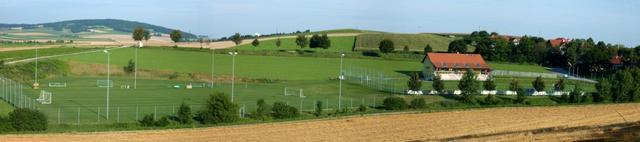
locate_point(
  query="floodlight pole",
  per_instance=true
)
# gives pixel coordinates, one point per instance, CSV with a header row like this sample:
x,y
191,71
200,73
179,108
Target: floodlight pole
x,y
135,68
213,50
233,73
36,71
341,77
108,79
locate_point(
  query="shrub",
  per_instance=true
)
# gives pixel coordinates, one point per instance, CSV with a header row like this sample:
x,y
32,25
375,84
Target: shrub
x,y
414,83
318,111
282,111
255,42
418,103
263,111
438,84
394,103
491,100
184,114
362,109
5,125
147,120
219,109
28,120
386,46
469,87
130,68
162,122
538,84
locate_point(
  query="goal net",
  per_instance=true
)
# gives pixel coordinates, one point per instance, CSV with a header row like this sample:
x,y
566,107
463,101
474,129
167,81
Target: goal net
x,y
45,97
294,92
57,84
104,83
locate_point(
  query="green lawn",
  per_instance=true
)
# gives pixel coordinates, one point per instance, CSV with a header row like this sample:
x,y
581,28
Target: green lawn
x,y
5,108
248,66
338,43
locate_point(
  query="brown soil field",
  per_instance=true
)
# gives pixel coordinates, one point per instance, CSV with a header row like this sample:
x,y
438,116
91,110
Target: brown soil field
x,y
566,123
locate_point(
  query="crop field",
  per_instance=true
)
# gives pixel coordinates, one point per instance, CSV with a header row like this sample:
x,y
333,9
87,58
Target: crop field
x,y
501,124
338,44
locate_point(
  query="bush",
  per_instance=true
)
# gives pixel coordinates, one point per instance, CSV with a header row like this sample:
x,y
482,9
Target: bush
x,y
184,114
5,125
362,109
538,84
394,103
318,111
414,83
263,111
219,109
418,103
162,122
492,100
386,46
28,120
147,120
282,111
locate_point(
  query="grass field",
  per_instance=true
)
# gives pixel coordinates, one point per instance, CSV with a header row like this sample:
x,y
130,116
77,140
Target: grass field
x,y
338,43
5,108
518,67
19,44
416,42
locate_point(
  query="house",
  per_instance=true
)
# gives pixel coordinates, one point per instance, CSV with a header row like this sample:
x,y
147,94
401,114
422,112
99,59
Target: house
x,y
452,66
514,39
558,42
616,62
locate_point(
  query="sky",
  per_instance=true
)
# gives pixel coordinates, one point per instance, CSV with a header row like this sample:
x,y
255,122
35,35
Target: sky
x,y
612,21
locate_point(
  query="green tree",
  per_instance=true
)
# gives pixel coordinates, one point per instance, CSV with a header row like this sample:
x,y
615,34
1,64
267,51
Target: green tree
x,y
138,34
574,96
24,119
457,46
218,109
147,120
414,82
5,125
147,35
278,42
236,39
622,86
428,48
325,41
438,84
263,111
560,85
314,41
176,36
489,84
255,42
386,46
302,41
318,111
130,67
282,111
514,85
538,84
406,48
604,90
468,86
184,114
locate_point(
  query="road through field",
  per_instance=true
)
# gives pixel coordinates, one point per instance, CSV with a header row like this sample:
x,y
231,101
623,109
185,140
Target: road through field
x,y
453,125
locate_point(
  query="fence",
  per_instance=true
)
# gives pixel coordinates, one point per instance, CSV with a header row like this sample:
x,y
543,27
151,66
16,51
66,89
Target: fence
x,y
523,74
377,80
12,93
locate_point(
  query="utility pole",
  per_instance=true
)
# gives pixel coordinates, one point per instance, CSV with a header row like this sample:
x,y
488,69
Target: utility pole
x,y
341,77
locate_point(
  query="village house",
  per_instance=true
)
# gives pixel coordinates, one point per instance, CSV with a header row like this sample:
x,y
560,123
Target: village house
x,y
452,66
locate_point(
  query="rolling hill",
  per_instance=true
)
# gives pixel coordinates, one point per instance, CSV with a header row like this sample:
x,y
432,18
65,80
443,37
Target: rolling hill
x,y
86,25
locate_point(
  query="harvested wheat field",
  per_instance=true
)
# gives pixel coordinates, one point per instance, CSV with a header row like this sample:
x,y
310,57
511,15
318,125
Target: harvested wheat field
x,y
497,124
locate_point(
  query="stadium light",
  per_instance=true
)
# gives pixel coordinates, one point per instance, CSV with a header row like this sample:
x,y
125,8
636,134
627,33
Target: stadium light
x,y
233,73
109,83
35,83
135,68
341,77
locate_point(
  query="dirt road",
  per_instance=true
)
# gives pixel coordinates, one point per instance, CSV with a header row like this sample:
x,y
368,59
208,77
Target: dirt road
x,y
502,124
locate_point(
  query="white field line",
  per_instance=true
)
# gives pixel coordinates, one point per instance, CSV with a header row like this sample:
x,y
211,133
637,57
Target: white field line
x,y
60,55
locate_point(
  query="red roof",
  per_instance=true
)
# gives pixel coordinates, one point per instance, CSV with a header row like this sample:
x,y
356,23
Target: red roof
x,y
558,41
616,60
455,60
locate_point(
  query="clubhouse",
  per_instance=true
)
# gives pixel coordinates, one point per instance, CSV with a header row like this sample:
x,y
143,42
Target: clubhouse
x,y
452,66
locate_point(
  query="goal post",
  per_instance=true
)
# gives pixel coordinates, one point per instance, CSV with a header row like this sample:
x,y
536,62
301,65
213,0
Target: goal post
x,y
45,97
104,83
57,84
294,92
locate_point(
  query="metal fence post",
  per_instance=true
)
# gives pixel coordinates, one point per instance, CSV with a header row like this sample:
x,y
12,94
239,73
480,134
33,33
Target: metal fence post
x,y
78,117
118,115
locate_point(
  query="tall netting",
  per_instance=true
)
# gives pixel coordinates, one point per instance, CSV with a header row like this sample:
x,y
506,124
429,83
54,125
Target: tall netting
x,y
378,80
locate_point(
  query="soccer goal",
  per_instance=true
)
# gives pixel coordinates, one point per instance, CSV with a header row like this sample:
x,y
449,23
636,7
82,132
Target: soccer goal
x,y
45,97
294,92
57,84
104,83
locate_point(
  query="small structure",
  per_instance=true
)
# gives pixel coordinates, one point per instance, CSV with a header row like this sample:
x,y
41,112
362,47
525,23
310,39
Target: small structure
x,y
559,42
616,62
452,66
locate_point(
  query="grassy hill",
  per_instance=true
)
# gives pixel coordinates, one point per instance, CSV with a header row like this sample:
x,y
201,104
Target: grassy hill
x,y
416,42
78,26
